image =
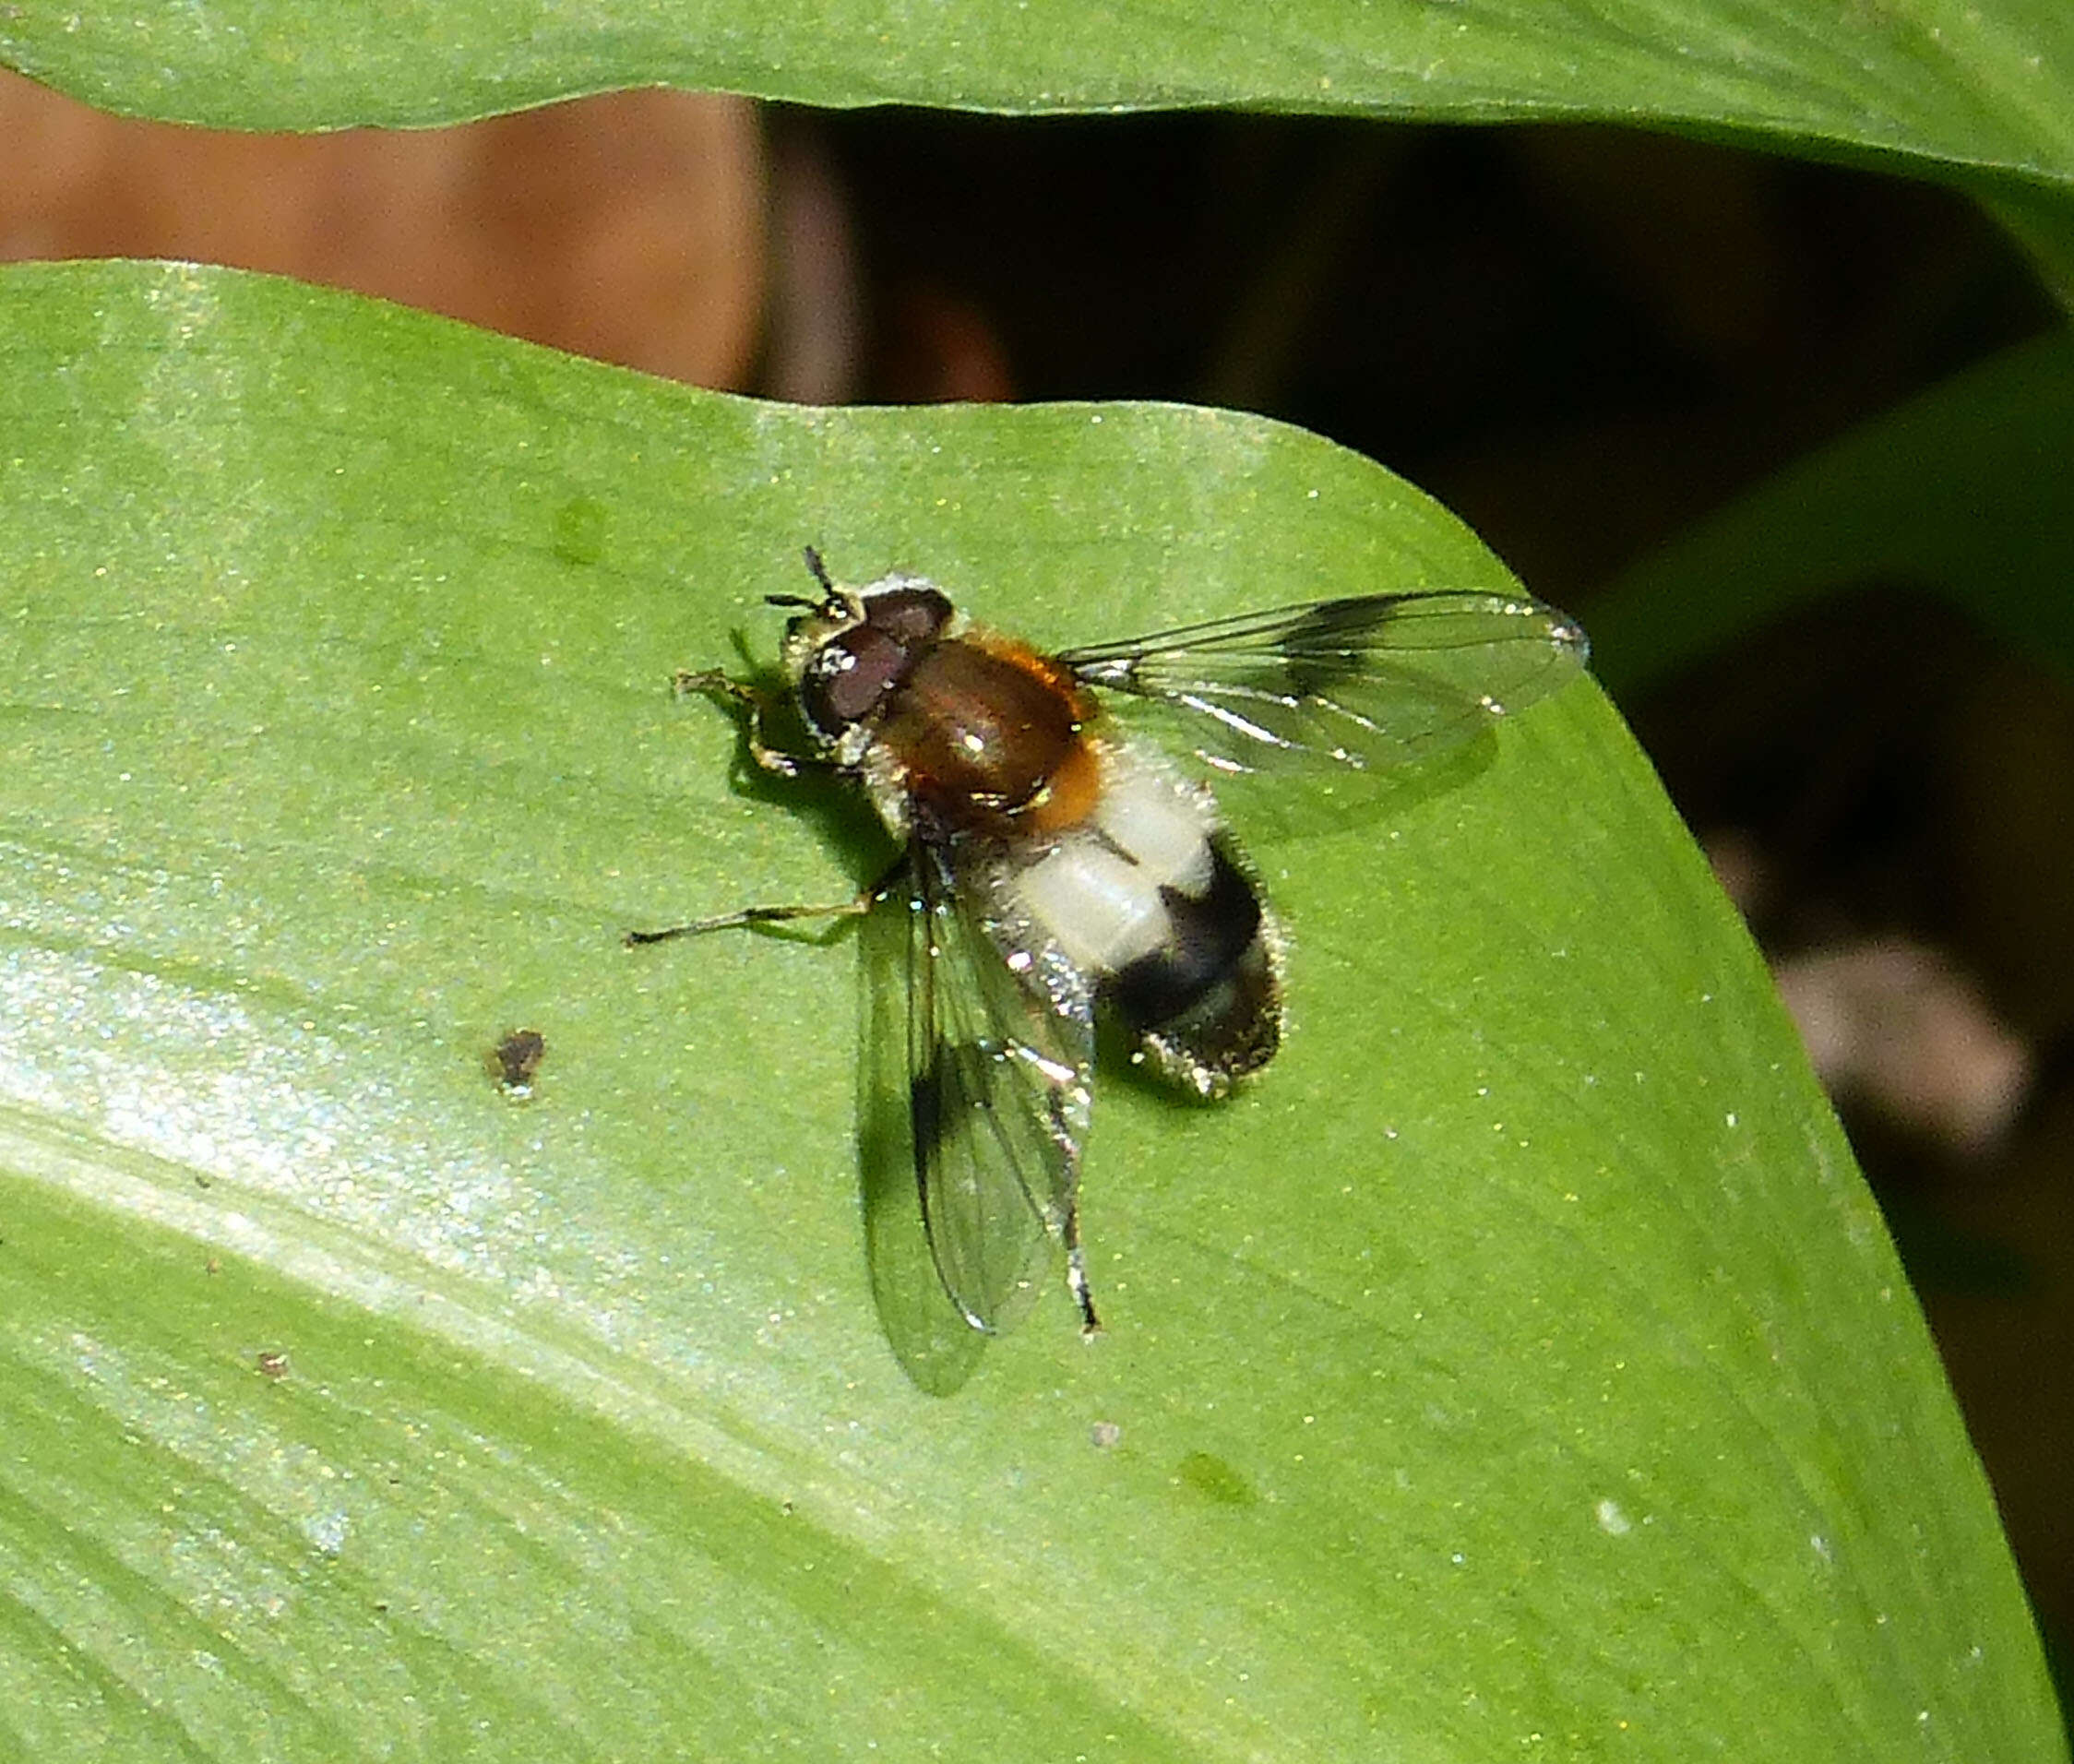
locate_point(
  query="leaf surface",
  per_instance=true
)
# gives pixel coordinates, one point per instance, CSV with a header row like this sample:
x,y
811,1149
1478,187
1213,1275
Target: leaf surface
x,y
1520,1366
1986,84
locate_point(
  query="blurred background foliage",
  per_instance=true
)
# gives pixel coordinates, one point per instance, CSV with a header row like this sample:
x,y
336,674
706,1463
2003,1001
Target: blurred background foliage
x,y
1730,407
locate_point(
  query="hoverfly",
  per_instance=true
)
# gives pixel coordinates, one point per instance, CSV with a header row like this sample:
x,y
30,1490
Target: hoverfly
x,y
1053,871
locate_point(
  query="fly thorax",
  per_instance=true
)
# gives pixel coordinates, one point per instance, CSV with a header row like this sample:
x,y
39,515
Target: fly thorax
x,y
983,729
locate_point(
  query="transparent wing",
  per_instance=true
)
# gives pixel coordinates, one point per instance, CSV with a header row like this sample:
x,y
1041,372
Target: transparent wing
x,y
1374,681
997,1067
929,1336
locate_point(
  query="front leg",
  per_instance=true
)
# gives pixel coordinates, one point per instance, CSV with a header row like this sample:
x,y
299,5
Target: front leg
x,y
715,684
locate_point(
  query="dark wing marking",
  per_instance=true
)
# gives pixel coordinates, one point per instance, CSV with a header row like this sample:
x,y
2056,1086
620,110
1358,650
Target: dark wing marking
x,y
1373,681
998,1091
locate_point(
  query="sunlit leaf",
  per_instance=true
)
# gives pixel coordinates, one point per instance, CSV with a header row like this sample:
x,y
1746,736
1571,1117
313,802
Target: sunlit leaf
x,y
1519,1368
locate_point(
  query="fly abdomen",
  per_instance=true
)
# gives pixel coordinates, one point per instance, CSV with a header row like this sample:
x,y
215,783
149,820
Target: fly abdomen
x,y
1206,1002
1148,900
1206,938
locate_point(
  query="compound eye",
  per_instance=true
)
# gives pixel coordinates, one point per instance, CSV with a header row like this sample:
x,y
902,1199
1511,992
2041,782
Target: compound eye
x,y
849,678
911,617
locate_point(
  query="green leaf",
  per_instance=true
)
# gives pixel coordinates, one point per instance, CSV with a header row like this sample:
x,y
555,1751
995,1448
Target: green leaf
x,y
1987,84
1518,1367
1962,492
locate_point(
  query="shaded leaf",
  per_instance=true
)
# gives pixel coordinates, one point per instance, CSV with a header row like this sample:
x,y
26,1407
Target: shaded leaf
x,y
1960,492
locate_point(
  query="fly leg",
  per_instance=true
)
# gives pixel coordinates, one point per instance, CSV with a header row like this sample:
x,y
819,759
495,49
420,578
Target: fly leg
x,y
1066,1214
854,907
785,765
712,681
1077,1274
757,915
